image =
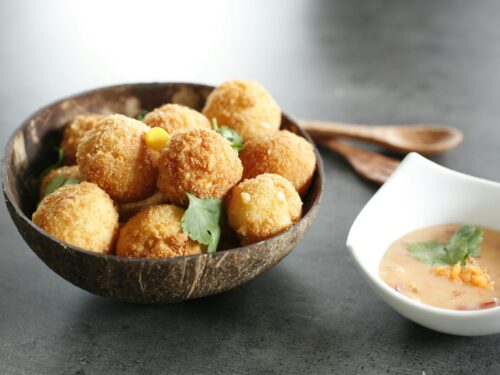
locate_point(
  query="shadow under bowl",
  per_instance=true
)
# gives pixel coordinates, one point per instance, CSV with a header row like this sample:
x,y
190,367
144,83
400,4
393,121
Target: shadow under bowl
x,y
142,280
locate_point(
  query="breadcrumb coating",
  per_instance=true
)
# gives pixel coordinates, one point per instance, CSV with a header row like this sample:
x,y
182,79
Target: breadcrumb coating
x,y
82,215
175,117
263,206
114,156
282,153
67,171
74,132
244,106
200,162
156,232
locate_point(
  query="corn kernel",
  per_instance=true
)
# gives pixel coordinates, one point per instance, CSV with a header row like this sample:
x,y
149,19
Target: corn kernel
x,y
443,271
471,273
156,138
412,286
480,281
466,275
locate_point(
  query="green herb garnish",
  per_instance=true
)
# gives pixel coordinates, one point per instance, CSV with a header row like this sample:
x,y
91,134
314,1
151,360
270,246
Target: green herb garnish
x,y
59,181
464,243
201,221
35,183
142,113
59,163
228,133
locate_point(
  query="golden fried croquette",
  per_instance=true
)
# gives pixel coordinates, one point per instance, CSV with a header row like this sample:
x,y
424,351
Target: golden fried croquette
x,y
263,206
126,210
244,106
82,215
283,153
73,133
67,171
114,156
156,232
197,161
174,117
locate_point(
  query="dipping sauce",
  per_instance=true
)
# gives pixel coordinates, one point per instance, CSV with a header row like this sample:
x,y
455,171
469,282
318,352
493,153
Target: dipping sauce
x,y
469,286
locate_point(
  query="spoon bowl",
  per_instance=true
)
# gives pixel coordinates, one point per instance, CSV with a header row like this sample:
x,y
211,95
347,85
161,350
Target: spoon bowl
x,y
424,139
31,149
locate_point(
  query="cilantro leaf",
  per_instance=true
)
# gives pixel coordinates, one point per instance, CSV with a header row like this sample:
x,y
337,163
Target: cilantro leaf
x,y
54,184
465,242
71,181
58,163
142,113
429,252
234,138
59,181
467,236
201,221
35,183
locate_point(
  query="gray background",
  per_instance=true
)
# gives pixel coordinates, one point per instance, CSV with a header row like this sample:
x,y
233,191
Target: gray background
x,y
358,61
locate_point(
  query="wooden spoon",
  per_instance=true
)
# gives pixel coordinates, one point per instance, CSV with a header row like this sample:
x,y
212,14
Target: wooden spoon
x,y
424,139
369,165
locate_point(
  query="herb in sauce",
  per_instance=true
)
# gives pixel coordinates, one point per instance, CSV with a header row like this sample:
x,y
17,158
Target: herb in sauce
x,y
464,243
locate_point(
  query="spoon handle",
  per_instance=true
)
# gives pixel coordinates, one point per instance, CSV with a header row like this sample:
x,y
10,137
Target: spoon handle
x,y
321,129
424,139
370,165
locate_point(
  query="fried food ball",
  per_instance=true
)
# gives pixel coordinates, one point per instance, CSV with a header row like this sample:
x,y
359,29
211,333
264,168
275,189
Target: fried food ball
x,y
174,117
244,106
126,210
74,132
197,161
263,206
283,153
67,171
156,232
82,215
114,156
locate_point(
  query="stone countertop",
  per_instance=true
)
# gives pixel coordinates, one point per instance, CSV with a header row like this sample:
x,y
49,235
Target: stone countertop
x,y
365,62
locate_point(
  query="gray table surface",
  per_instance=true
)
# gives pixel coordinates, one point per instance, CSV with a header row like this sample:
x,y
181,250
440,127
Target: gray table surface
x,y
359,61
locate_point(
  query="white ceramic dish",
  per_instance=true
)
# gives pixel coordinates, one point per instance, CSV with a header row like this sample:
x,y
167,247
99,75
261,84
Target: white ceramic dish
x,y
421,193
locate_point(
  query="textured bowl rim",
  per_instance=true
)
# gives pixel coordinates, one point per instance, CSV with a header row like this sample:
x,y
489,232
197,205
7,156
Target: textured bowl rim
x,y
319,172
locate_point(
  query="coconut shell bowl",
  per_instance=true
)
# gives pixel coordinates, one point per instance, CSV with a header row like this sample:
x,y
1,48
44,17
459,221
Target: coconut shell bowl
x,y
142,280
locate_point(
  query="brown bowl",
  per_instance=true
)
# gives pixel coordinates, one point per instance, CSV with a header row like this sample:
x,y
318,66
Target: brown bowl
x,y
31,149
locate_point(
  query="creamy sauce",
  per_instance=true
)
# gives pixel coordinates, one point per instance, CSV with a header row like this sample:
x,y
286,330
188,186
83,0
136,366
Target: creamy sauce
x,y
418,280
